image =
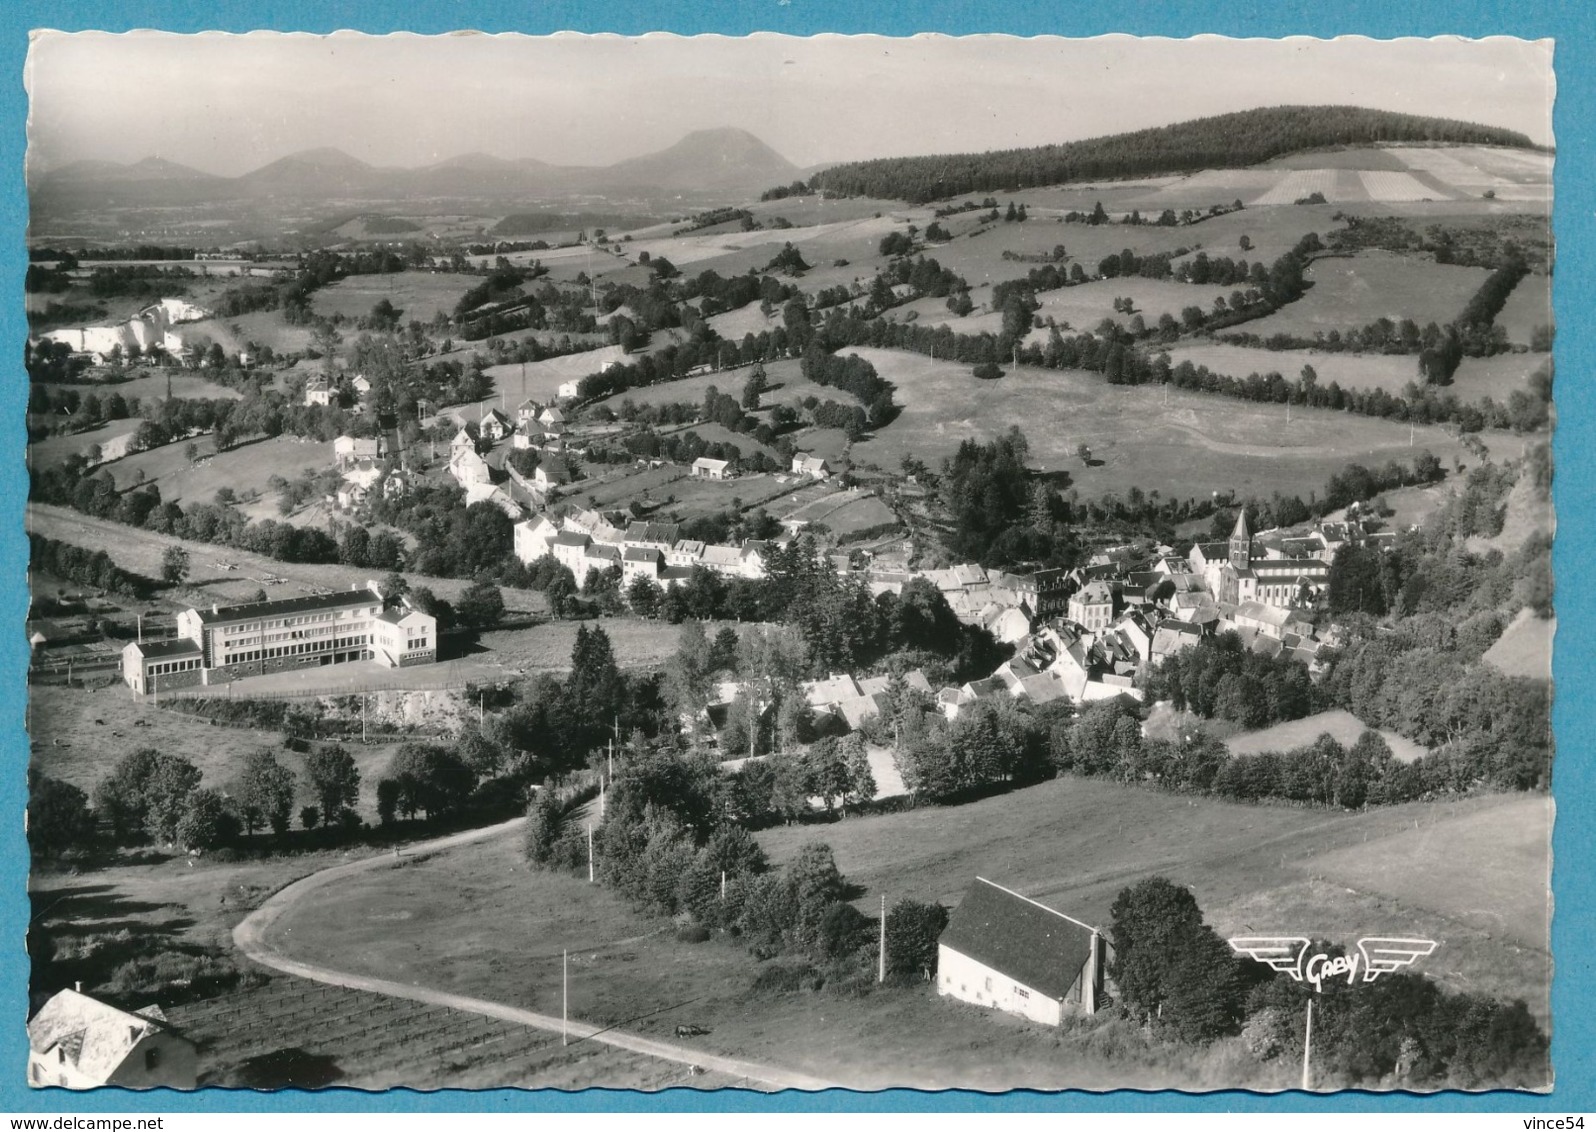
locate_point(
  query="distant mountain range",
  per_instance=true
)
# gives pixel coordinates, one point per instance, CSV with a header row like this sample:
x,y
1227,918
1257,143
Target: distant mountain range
x,y
719,160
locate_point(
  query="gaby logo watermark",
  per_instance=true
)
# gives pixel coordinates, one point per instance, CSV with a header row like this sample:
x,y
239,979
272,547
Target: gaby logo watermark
x,y
1376,956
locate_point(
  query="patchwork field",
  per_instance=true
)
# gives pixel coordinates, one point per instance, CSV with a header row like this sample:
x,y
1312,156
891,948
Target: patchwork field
x,y
1075,843
264,328
1528,308
1342,726
782,376
54,449
1391,372
542,380
245,467
152,385
845,513
1495,377
211,581
1195,444
1353,291
78,735
416,294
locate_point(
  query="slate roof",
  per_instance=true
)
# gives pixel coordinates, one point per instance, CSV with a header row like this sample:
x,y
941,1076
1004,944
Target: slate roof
x,y
1029,943
338,599
95,1036
164,650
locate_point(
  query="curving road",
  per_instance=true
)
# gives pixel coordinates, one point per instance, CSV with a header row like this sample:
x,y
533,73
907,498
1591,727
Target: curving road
x,y
250,937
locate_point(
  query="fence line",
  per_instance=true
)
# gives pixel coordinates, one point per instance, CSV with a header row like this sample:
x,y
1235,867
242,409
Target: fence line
x,y
223,692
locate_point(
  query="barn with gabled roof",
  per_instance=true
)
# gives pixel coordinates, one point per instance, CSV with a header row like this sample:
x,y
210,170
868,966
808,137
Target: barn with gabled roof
x,y
1006,951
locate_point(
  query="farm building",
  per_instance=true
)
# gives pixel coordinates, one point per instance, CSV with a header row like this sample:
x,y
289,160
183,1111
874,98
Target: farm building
x,y
78,1042
1008,952
712,469
347,449
804,464
553,472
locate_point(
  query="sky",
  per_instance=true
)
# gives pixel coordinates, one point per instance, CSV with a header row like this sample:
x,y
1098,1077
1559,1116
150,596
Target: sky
x,y
227,104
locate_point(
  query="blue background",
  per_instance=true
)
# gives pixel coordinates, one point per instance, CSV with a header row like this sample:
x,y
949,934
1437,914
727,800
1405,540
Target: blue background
x,y
1575,207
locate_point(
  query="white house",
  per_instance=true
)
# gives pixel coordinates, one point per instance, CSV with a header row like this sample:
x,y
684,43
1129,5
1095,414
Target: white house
x,y
495,425
318,391
82,1043
1008,952
496,495
710,469
468,468
535,537
803,464
347,449
570,390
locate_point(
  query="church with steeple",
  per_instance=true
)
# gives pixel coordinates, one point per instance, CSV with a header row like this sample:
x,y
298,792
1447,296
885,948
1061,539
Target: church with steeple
x,y
1270,578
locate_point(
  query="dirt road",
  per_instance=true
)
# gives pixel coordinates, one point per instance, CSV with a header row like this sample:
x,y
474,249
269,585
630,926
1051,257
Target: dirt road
x,y
252,937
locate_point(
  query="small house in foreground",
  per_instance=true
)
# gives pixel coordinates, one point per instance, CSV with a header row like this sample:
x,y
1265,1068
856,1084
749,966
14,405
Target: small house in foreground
x,y
79,1042
1003,950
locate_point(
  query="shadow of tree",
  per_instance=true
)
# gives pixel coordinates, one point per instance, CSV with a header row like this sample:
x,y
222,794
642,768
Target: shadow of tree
x,y
290,1068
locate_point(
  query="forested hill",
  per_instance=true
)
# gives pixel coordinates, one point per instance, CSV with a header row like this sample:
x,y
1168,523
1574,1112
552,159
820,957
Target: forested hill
x,y
1225,141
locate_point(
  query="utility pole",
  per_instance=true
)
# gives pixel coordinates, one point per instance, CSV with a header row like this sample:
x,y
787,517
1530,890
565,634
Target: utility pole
x,y
589,852
482,707
565,995
362,717
723,886
1307,1046
881,959
141,627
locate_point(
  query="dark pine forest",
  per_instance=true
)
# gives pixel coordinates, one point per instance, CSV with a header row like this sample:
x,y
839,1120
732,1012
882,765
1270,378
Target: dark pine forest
x,y
1223,141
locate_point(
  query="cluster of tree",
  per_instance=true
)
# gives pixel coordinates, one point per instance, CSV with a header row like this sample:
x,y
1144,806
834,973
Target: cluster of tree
x,y
1225,141
1220,677
86,567
1431,570
778,788
505,281
1503,239
428,777
852,375
1175,973
153,796
992,743
997,513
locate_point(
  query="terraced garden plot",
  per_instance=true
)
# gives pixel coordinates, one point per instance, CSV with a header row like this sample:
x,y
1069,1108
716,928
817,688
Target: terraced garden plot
x,y
1475,170
1386,185
417,294
1335,184
298,1034
845,513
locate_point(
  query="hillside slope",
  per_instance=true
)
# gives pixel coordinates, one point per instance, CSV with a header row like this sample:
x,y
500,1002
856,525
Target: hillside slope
x,y
1226,141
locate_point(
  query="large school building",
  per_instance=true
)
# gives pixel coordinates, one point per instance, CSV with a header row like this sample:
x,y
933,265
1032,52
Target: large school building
x,y
225,643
